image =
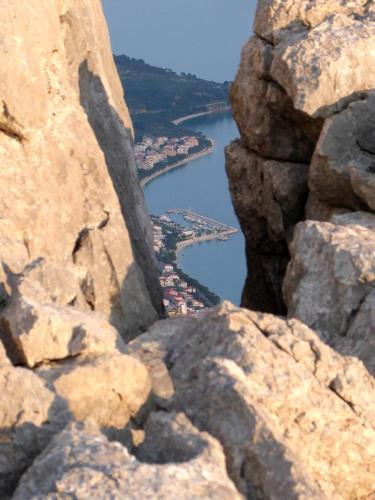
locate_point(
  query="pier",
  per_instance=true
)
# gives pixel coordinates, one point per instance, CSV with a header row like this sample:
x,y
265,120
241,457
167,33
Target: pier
x,y
198,221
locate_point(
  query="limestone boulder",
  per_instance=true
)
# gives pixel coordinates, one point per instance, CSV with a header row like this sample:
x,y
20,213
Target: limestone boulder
x,y
274,16
343,170
347,377
309,64
108,389
152,348
35,333
266,118
50,282
74,198
290,412
348,218
259,460
30,414
331,273
80,462
171,438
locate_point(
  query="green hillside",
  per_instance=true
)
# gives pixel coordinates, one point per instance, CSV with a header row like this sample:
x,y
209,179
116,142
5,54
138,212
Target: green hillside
x,y
156,96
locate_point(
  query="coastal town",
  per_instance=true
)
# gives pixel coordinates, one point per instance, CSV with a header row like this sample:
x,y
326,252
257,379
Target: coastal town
x,y
182,294
159,150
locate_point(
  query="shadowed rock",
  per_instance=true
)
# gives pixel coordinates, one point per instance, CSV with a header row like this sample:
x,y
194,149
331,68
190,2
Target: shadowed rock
x,y
269,197
108,389
152,348
343,167
82,463
30,415
56,191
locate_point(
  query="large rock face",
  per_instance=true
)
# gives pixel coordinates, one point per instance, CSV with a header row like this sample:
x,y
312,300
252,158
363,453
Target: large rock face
x,y
303,100
293,416
77,272
302,179
68,176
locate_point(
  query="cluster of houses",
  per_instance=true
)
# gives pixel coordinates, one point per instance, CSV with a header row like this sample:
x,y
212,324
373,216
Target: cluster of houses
x,y
151,151
179,297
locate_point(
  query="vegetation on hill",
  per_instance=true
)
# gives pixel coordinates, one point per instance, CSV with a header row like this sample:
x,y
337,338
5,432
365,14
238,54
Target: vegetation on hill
x,y
156,96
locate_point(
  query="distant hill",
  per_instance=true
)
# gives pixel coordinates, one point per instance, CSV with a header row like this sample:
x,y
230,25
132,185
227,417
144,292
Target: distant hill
x,y
156,96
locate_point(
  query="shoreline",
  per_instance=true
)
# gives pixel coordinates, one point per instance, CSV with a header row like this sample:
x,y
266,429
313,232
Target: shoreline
x,y
208,237
186,118
143,182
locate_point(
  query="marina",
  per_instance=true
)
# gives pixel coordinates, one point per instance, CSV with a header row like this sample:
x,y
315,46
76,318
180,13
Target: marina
x,y
217,229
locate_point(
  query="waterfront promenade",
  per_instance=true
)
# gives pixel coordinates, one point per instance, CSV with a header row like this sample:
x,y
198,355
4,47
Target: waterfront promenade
x,y
186,118
197,239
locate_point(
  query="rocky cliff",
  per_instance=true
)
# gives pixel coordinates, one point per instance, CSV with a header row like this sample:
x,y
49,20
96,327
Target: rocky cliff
x,y
71,211
236,404
303,100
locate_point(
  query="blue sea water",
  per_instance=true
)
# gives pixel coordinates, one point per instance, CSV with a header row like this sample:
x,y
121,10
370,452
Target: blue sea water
x,y
202,186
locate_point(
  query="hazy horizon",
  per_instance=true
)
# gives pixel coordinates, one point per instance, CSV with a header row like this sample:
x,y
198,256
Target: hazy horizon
x,y
205,40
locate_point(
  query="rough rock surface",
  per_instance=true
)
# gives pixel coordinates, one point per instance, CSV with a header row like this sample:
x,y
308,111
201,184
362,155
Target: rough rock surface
x,y
268,123
273,16
13,256
269,198
303,95
330,276
80,462
108,389
35,333
293,416
330,282
151,349
77,271
310,64
359,340
30,414
343,169
63,194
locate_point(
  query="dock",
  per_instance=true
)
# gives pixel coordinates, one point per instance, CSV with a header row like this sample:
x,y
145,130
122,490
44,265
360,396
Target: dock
x,y
203,222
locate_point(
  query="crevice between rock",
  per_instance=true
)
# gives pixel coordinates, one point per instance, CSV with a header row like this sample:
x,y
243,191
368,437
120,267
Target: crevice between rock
x,y
10,126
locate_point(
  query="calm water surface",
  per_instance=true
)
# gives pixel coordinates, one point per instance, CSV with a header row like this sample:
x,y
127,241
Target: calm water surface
x,y
202,185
